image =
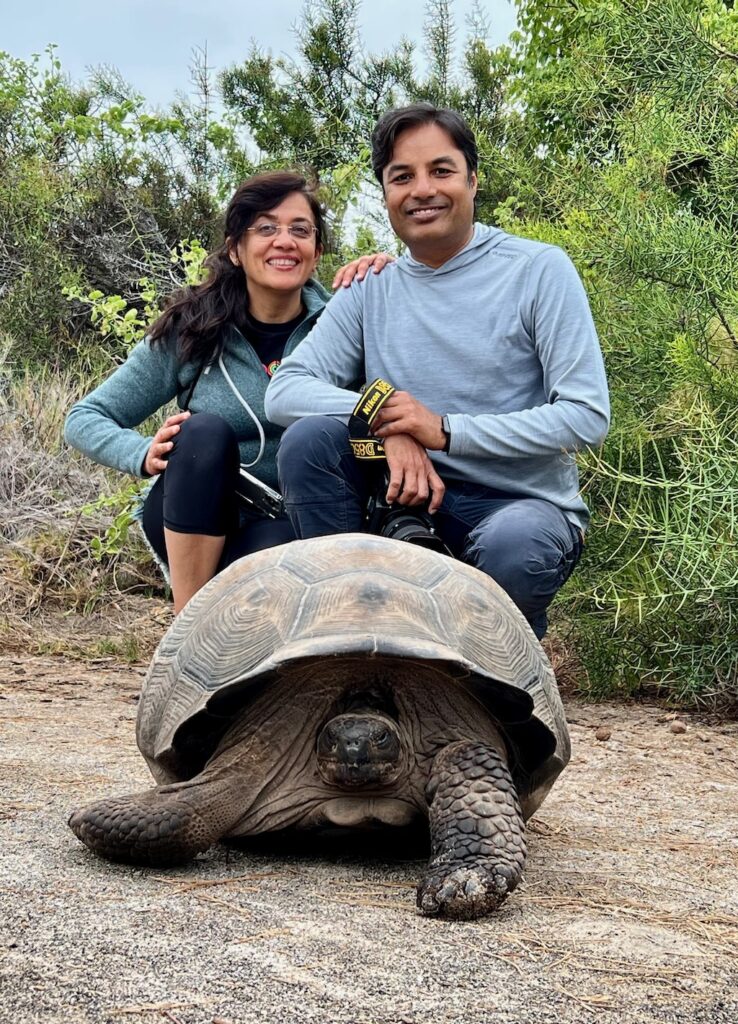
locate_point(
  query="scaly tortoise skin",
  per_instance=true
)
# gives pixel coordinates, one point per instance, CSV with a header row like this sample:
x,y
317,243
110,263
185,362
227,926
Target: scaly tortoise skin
x,y
346,681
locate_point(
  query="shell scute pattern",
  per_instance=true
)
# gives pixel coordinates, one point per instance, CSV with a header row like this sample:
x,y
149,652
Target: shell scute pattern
x,y
485,630
363,553
347,595
235,627
350,604
250,619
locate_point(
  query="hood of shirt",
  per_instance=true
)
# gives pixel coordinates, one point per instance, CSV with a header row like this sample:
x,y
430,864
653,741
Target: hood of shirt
x,y
483,239
314,295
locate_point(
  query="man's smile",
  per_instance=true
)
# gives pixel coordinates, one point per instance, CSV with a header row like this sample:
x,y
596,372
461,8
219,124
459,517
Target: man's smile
x,y
425,212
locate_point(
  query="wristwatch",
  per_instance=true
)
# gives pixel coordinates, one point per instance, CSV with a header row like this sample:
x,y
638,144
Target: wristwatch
x,y
446,428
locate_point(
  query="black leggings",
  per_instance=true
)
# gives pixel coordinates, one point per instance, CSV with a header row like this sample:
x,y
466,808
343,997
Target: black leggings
x,y
197,494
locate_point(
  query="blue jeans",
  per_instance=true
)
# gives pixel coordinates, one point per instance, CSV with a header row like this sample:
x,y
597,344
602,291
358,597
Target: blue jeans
x,y
527,545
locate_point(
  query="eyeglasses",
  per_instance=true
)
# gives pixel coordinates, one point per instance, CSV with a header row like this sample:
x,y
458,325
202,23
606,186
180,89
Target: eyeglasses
x,y
300,232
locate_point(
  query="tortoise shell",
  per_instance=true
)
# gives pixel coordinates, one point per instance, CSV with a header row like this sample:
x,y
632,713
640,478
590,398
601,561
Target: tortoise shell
x,y
348,595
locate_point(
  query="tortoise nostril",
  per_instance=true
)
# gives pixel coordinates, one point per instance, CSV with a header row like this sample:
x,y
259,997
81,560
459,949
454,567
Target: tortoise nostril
x,y
355,751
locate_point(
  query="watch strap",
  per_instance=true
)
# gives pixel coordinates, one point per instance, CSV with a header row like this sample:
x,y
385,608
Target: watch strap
x,y
446,428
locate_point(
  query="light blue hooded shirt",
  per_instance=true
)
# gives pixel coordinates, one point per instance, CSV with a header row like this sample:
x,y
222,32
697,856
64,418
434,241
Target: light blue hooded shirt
x,y
500,338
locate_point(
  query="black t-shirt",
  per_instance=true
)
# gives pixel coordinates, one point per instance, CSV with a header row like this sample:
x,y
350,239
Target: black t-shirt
x,y
269,340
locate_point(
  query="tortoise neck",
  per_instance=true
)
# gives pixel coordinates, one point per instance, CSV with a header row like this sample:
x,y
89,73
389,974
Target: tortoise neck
x,y
365,699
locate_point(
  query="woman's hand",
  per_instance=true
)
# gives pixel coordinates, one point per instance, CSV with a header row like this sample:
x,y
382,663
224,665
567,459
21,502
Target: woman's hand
x,y
358,268
412,475
156,457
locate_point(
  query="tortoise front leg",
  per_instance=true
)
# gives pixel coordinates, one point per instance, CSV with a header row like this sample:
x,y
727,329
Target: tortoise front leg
x,y
163,826
477,833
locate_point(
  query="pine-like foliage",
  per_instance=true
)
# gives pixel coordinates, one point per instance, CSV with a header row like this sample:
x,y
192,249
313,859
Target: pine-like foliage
x,y
629,115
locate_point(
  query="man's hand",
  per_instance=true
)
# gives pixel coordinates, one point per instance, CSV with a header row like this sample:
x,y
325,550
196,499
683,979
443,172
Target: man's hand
x,y
403,414
156,457
412,477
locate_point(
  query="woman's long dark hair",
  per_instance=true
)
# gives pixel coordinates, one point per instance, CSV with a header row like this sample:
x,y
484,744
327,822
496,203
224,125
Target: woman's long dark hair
x,y
196,314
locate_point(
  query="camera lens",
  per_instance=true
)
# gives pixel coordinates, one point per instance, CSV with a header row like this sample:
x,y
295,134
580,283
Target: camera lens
x,y
413,528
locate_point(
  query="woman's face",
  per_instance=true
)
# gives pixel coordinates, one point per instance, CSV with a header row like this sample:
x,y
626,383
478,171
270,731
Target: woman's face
x,y
282,263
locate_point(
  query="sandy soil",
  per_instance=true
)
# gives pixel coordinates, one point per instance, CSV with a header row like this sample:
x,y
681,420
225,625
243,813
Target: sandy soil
x,y
629,910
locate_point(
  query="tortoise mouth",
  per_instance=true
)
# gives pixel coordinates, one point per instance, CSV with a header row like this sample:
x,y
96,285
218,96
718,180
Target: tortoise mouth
x,y
359,749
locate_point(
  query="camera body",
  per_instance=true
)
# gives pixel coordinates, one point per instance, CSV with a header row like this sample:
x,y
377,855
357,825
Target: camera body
x,y
398,522
258,497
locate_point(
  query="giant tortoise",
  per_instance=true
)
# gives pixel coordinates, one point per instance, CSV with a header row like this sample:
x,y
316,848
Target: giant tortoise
x,y
347,681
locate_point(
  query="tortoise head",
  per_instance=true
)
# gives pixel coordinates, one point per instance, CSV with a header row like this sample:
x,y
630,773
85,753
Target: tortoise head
x,y
360,748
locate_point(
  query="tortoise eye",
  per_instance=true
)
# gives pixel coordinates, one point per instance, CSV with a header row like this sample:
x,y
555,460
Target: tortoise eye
x,y
383,739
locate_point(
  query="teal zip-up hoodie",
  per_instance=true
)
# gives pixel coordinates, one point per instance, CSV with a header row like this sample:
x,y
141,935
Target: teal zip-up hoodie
x,y
102,424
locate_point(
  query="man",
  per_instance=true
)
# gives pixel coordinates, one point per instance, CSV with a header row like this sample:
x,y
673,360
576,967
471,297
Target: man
x,y
489,341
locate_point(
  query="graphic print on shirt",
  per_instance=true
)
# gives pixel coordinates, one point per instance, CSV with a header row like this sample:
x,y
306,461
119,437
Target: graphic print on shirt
x,y
269,340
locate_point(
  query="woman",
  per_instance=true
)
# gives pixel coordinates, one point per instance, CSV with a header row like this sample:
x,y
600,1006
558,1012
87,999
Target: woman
x,y
214,349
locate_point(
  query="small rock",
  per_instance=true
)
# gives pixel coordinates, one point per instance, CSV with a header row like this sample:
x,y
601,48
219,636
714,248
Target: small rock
x,y
678,727
220,1020
702,738
603,734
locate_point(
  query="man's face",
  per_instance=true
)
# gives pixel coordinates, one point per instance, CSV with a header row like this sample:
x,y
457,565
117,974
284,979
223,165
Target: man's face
x,y
429,194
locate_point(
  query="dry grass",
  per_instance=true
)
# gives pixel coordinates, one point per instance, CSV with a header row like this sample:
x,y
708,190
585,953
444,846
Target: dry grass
x,y
559,644
46,557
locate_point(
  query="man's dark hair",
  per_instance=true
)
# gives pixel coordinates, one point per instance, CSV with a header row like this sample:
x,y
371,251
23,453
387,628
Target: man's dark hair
x,y
394,122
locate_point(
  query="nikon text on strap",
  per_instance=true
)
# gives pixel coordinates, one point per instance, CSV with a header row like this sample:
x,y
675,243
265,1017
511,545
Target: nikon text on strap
x,y
363,445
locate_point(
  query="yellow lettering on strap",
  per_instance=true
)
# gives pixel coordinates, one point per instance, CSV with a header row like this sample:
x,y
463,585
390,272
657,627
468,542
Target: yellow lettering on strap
x,y
374,397
367,448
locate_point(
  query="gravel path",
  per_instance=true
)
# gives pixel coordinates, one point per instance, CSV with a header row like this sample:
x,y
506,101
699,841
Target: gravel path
x,y
629,911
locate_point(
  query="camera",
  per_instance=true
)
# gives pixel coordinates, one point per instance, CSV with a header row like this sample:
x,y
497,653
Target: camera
x,y
398,522
257,497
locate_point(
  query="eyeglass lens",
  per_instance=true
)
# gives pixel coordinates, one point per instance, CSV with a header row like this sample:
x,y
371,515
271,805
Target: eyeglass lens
x,y
299,231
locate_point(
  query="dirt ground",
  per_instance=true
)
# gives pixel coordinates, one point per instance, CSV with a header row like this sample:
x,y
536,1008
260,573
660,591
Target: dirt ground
x,y
629,910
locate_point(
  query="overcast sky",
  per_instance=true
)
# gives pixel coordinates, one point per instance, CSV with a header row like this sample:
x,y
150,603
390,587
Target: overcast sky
x,y
151,41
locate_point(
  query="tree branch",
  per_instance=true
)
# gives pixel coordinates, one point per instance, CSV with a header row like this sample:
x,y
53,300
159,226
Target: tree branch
x,y
723,320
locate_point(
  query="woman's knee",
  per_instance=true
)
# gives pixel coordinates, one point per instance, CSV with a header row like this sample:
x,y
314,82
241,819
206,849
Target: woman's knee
x,y
205,442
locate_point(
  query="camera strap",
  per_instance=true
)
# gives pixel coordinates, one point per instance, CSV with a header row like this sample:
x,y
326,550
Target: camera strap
x,y
363,445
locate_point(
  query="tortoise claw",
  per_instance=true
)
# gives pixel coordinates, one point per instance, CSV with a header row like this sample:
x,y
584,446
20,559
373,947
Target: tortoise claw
x,y
463,891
